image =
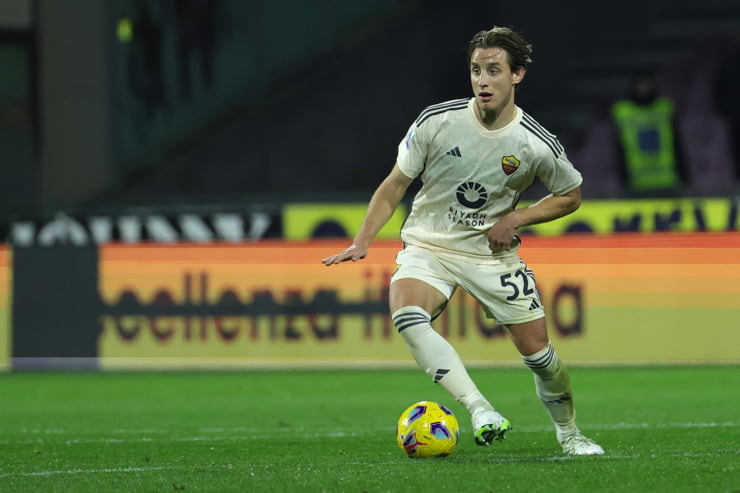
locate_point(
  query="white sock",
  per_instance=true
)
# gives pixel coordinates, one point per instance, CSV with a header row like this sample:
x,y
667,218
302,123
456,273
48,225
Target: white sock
x,y
437,357
553,388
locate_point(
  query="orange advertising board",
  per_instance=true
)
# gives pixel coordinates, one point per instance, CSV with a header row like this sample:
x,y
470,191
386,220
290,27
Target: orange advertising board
x,y
5,306
635,298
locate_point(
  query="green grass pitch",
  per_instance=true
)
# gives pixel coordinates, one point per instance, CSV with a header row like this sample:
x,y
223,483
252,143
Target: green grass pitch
x,y
672,429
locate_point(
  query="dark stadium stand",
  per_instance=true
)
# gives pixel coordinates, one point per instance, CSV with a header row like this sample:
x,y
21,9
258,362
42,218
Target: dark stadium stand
x,y
328,130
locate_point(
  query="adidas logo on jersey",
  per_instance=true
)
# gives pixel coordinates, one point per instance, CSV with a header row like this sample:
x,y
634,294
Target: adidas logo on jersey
x,y
535,305
454,152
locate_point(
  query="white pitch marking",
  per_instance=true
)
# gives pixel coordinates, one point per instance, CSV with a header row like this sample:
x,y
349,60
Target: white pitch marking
x,y
85,471
526,428
354,463
252,434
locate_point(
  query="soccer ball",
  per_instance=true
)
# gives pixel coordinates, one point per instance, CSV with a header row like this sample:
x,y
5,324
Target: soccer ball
x,y
427,429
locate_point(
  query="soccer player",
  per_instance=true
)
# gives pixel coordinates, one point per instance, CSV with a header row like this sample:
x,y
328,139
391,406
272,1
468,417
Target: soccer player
x,y
475,157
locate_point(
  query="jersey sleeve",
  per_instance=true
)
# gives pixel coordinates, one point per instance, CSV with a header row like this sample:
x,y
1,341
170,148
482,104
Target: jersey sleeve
x,y
558,174
412,152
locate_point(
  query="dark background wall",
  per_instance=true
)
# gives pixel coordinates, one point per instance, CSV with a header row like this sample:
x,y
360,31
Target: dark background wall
x,y
75,147
17,112
203,102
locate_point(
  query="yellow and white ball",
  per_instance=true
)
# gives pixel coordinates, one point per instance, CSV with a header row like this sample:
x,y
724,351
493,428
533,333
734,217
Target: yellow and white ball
x,y
427,429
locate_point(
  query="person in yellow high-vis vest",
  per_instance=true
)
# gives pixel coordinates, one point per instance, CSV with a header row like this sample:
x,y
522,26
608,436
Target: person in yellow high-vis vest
x,y
651,158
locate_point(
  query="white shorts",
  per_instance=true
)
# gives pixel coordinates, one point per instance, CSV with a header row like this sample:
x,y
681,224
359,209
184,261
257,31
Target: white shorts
x,y
507,291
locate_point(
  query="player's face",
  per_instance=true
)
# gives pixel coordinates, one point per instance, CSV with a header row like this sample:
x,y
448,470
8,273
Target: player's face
x,y
492,79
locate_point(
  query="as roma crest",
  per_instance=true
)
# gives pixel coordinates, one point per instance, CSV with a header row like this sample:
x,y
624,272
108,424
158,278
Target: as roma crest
x,y
510,164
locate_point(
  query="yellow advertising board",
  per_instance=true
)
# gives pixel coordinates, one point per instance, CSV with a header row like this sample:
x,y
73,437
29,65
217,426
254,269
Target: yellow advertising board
x,y
5,306
627,298
645,216
304,221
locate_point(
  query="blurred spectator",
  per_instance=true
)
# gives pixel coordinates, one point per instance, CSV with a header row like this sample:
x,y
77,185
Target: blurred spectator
x,y
650,162
728,102
145,61
196,40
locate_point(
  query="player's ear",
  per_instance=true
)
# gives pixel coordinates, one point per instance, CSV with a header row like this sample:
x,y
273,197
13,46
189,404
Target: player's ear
x,y
518,74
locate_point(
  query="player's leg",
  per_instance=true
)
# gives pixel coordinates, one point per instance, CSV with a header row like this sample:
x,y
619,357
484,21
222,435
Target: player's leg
x,y
508,293
552,384
550,375
412,301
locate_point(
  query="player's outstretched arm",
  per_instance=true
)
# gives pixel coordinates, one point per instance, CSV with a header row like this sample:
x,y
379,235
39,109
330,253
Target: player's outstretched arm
x,y
382,205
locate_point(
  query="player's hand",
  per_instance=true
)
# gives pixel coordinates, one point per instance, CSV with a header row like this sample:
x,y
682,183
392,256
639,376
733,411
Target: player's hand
x,y
502,235
353,253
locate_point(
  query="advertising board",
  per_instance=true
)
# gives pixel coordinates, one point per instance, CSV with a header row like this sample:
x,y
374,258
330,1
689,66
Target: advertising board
x,y
630,298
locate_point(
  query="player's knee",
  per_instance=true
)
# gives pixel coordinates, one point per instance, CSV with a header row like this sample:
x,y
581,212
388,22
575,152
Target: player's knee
x,y
529,338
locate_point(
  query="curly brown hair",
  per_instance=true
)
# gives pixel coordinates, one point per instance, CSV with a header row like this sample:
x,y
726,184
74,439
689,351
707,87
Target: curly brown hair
x,y
518,49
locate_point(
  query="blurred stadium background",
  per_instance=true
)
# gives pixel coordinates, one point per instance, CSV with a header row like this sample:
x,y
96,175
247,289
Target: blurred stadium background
x,y
206,123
